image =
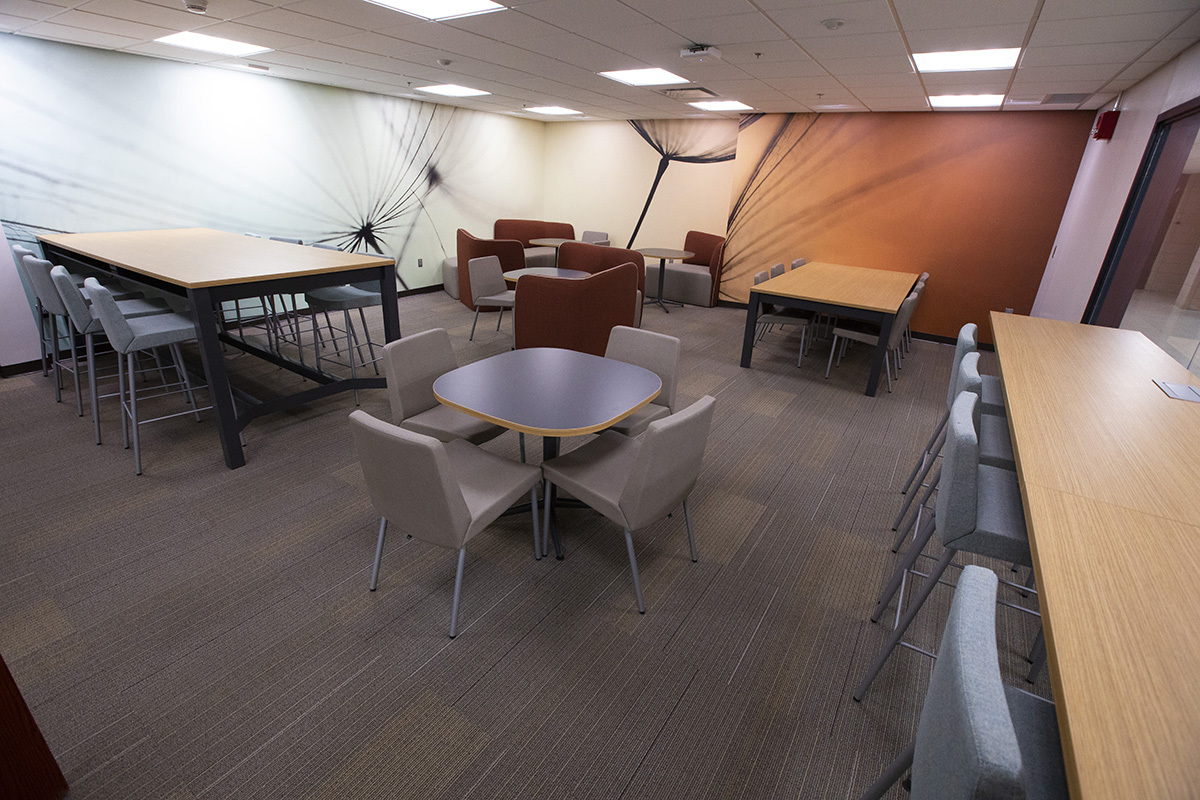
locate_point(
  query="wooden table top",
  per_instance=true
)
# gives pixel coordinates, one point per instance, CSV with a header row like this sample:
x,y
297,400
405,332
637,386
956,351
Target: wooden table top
x,y
665,253
839,285
1108,468
199,257
548,391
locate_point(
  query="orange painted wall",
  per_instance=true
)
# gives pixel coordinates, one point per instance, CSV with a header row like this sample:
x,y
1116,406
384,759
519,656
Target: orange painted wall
x,y
973,198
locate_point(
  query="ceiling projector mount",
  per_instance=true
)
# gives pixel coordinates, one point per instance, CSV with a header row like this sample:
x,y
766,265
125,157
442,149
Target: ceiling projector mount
x,y
701,52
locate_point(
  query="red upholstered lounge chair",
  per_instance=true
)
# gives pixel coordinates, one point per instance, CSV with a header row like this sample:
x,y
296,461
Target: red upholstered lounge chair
x,y
575,314
697,280
510,253
525,229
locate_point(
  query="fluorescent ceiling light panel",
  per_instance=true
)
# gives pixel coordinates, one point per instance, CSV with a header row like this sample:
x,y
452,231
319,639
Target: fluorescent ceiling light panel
x,y
452,90
966,100
967,60
556,111
644,77
212,44
440,9
721,105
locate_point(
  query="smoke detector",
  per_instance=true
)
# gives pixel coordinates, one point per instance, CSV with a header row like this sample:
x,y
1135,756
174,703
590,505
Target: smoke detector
x,y
196,6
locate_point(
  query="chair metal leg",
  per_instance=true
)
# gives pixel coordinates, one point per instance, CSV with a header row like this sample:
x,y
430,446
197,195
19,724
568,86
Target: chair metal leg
x,y
378,553
927,452
121,400
41,315
537,543
89,346
133,421
925,468
893,773
916,519
500,318
188,392
545,517
57,359
471,338
637,584
906,563
462,559
803,332
1038,657
75,374
350,350
367,335
926,588
687,519
887,367
832,350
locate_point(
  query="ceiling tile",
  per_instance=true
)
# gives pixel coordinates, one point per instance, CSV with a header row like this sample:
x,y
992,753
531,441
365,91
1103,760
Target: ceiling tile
x,y
866,16
49,30
8,23
175,19
1108,53
1083,72
784,69
1141,69
355,13
574,49
117,27
639,41
284,21
585,16
1096,30
1167,49
866,66
29,9
888,92
894,104
979,38
779,50
729,29
259,36
1022,88
507,26
908,79
868,45
173,53
387,46
669,10
1080,9
959,83
916,15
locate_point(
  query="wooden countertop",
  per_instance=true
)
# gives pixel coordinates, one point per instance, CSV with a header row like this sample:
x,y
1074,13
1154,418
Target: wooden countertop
x,y
199,257
1109,467
840,285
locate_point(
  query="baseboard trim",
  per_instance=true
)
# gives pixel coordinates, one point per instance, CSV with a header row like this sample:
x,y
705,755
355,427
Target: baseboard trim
x,y
23,368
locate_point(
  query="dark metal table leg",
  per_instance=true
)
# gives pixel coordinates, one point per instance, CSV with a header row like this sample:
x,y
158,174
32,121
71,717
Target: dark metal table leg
x,y
751,325
877,360
207,330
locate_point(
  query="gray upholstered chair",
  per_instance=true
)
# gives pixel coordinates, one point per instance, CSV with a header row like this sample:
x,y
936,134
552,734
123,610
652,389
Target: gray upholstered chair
x,y
488,289
411,365
128,336
441,493
86,321
595,237
978,511
656,352
777,270
635,482
798,262
852,330
769,316
978,739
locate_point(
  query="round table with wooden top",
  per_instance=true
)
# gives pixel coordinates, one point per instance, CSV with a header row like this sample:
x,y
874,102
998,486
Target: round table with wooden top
x,y
548,272
550,241
663,254
549,392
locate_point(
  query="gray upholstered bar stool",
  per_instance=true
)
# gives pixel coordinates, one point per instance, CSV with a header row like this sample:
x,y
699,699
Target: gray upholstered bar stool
x,y
488,288
128,336
656,352
978,739
443,493
978,511
86,321
636,482
344,298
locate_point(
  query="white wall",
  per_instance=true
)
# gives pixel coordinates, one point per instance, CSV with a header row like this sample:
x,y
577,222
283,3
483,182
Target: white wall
x,y
1102,185
18,331
598,174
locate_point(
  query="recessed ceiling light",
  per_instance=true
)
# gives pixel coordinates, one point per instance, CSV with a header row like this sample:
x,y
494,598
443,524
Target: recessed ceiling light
x,y
212,44
452,90
721,105
557,111
833,106
440,9
967,60
644,77
965,100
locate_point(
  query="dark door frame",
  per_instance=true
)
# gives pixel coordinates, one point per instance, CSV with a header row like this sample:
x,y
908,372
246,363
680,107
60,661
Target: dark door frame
x,y
1133,243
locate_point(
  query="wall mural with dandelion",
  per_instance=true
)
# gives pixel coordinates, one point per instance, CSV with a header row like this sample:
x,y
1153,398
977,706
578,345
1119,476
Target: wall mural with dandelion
x,y
96,140
973,198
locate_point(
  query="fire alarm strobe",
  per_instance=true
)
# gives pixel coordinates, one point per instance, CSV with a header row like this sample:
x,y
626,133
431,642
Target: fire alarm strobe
x,y
1106,123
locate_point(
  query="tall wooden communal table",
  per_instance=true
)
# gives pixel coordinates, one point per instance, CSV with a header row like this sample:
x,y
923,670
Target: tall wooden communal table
x,y
548,392
1110,478
873,295
210,267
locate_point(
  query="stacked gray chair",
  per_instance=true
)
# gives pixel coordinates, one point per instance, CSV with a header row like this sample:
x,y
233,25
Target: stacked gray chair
x,y
411,365
978,511
130,335
777,270
656,352
636,482
797,263
769,316
86,321
852,331
488,288
441,493
978,739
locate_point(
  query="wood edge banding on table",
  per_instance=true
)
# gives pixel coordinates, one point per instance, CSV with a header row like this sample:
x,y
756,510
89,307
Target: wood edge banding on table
x,y
560,432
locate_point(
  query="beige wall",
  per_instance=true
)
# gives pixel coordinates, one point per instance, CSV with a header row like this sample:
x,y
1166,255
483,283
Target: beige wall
x,y
1102,185
597,176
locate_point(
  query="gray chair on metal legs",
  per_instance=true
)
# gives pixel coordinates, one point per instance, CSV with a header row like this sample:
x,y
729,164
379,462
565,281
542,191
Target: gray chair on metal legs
x,y
411,365
978,739
635,482
488,288
769,315
86,321
852,330
656,352
441,493
978,511
128,336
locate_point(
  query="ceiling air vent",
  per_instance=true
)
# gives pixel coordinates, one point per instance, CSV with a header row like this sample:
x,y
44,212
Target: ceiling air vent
x,y
1067,98
690,93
